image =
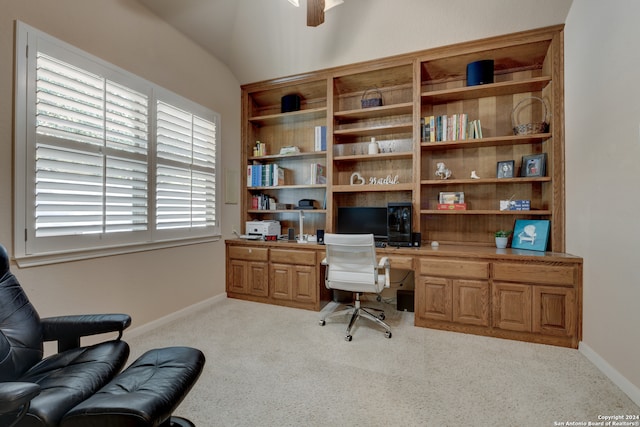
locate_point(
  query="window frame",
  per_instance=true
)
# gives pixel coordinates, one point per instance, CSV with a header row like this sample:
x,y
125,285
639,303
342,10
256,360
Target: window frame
x,y
29,250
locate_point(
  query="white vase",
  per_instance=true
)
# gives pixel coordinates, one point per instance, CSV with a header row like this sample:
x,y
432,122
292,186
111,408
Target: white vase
x,y
501,242
373,146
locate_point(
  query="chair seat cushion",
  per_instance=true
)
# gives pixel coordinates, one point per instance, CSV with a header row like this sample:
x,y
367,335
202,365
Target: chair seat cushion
x,y
68,378
143,395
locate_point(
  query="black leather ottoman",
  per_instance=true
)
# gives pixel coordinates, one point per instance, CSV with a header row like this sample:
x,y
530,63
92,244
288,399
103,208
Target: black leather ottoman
x,y
143,395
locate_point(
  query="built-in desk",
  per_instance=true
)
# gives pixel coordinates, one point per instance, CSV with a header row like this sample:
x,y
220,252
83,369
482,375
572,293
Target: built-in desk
x,y
508,293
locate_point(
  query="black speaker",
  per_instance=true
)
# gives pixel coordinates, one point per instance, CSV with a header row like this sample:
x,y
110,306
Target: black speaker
x,y
416,238
480,72
405,300
320,236
289,103
291,235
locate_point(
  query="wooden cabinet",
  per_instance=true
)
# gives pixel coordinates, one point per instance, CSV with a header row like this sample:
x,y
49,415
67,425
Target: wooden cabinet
x,y
293,275
454,291
537,298
466,285
507,293
247,271
284,276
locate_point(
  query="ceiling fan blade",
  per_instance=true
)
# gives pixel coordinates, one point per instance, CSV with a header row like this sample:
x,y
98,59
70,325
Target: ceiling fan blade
x,y
315,12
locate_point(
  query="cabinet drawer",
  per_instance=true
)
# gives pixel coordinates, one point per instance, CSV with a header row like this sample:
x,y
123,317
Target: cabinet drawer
x,y
285,256
402,262
249,254
534,274
452,268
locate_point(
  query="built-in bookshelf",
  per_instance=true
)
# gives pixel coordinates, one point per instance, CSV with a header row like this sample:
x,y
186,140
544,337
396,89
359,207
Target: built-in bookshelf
x,y
413,88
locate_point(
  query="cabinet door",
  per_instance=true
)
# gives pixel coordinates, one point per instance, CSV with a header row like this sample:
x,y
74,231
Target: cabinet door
x,y
305,285
281,277
512,306
257,279
433,297
554,310
471,302
237,280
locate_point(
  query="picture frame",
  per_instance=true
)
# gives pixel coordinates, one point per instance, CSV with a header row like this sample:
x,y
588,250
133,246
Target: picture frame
x,y
531,234
505,169
534,165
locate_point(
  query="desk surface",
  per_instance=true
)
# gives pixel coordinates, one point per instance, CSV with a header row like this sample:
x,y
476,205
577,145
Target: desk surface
x,y
465,251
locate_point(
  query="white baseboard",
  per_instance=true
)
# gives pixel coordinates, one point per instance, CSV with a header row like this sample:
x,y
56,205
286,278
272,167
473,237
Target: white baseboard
x,y
147,327
618,379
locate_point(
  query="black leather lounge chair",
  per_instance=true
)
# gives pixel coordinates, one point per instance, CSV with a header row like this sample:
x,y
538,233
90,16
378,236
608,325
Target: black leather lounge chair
x,y
83,386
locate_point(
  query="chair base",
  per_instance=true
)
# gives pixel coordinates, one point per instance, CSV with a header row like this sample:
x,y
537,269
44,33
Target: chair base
x,y
357,312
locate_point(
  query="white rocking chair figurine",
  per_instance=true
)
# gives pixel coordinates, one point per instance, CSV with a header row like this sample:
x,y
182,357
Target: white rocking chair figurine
x,y
351,266
528,234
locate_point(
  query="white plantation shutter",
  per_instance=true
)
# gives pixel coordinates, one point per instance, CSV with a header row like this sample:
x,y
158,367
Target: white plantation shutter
x,y
185,177
105,159
91,153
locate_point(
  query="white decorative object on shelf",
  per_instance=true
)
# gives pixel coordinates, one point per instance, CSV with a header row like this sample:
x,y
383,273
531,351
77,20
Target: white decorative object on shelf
x,y
388,180
357,179
373,146
442,171
474,175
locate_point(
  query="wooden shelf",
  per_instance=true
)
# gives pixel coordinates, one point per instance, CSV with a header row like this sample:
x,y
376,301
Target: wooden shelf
x,y
311,154
288,187
289,118
375,112
484,181
404,127
486,142
371,188
286,211
484,212
373,157
482,91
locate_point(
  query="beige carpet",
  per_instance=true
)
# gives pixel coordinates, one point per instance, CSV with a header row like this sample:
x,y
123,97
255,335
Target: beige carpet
x,y
275,366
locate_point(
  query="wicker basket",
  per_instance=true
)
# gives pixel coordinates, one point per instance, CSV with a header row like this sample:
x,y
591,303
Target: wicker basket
x,y
530,128
371,98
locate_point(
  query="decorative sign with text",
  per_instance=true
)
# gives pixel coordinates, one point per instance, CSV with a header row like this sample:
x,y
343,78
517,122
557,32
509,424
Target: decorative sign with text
x,y
357,179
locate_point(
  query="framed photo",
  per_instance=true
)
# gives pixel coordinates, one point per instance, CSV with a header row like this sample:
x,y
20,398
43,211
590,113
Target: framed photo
x,y
450,197
505,169
534,165
531,234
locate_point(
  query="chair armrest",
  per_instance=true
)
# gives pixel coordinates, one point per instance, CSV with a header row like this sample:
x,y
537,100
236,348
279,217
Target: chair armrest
x,y
386,265
68,330
14,395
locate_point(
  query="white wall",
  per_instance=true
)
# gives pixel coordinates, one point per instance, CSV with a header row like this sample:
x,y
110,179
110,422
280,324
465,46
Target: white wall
x,y
147,285
602,107
271,38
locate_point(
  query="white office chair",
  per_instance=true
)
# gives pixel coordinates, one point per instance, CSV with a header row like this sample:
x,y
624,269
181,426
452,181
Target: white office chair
x,y
352,267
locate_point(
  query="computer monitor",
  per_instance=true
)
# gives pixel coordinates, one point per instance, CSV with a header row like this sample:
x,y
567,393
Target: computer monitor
x,y
399,224
363,220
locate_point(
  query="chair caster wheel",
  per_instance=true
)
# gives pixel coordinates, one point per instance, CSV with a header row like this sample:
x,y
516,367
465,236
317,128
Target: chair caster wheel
x,y
387,334
348,338
321,323
381,316
378,298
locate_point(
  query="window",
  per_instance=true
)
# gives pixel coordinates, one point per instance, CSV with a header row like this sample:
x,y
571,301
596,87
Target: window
x,y
105,159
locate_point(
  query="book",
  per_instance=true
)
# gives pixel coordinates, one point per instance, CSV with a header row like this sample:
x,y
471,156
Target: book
x,y
452,206
320,138
318,174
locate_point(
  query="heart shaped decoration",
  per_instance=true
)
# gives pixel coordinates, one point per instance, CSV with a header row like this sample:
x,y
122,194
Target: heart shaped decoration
x,y
357,179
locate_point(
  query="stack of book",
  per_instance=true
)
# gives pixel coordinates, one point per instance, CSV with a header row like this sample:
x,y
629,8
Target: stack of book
x,y
453,127
269,175
451,201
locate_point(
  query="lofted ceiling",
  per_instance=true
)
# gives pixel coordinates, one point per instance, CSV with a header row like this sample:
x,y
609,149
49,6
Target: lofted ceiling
x,y
264,39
